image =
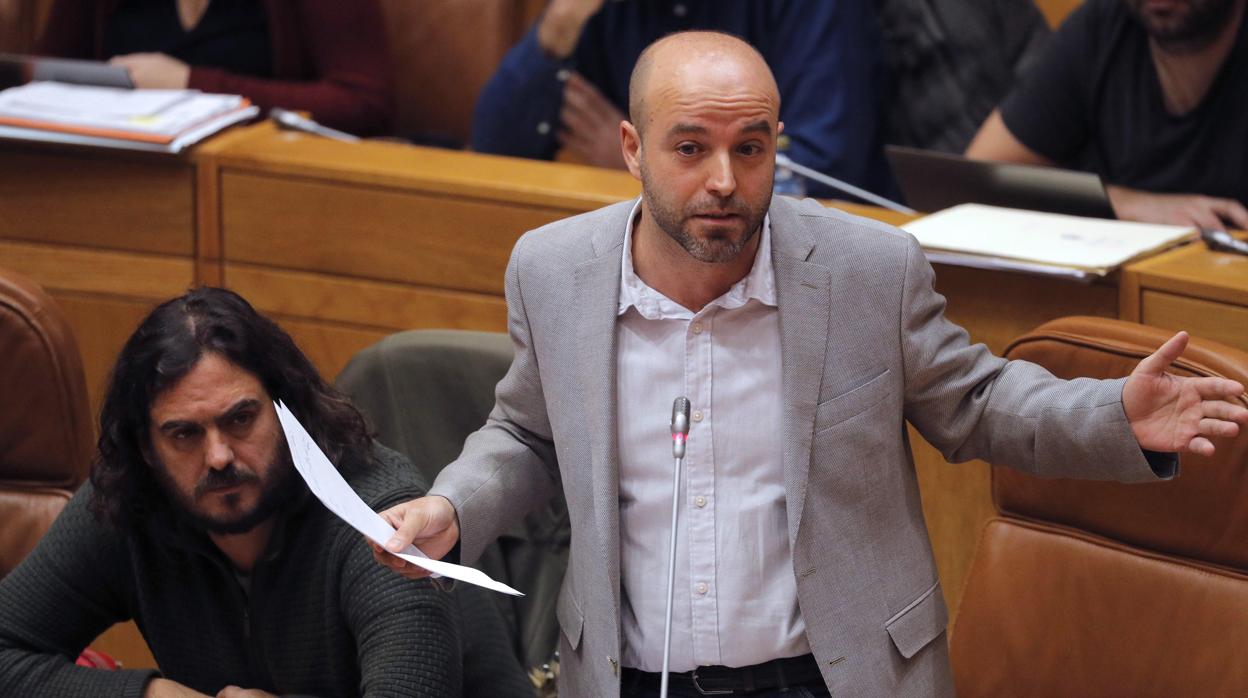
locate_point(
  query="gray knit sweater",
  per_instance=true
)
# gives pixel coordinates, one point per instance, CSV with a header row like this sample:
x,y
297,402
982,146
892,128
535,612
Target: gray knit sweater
x,y
322,617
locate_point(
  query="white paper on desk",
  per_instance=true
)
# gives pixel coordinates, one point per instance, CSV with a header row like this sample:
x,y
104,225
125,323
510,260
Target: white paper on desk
x,y
329,486
1092,244
58,99
145,112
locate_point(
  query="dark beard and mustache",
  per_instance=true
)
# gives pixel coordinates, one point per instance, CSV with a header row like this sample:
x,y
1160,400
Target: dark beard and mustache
x,y
720,250
283,486
1202,22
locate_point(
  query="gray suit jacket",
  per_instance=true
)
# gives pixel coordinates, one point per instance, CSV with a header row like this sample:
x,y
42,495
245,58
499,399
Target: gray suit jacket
x,y
865,348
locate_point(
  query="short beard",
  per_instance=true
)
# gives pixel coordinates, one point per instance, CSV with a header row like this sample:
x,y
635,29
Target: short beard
x,y
717,251
1205,21
281,488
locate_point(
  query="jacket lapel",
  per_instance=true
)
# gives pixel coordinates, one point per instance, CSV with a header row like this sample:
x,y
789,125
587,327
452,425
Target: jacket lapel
x,y
804,300
598,289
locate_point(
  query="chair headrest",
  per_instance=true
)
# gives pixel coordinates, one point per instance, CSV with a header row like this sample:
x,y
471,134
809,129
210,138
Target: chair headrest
x,y
1199,514
45,423
425,391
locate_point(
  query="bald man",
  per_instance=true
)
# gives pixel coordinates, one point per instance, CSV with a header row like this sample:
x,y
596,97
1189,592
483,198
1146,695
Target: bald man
x,y
805,339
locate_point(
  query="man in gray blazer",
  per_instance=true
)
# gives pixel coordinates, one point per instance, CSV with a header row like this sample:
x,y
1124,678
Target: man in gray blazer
x,y
805,339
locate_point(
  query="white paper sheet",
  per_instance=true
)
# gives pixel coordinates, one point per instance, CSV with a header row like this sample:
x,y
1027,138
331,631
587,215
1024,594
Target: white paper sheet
x,y
1089,244
329,486
177,145
106,102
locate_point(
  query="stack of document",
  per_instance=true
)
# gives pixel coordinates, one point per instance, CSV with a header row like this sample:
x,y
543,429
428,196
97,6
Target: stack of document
x,y
156,120
1045,243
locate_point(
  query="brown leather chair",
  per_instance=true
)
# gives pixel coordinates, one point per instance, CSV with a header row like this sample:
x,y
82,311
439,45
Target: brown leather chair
x,y
1085,588
444,51
45,426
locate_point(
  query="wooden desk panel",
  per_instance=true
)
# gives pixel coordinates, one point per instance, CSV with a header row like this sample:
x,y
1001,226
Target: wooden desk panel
x,y
365,304
997,306
104,295
1193,289
366,232
94,198
457,174
1221,322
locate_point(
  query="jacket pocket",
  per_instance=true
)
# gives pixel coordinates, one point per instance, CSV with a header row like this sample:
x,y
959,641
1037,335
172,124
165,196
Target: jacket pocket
x,y
571,620
851,402
920,622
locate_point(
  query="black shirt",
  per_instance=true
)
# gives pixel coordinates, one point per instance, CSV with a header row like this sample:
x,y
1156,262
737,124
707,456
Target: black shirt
x,y
232,35
1094,102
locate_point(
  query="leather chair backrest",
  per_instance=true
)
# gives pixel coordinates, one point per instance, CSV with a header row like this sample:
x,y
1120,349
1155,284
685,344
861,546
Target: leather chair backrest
x,y
20,24
45,426
1096,588
424,392
444,52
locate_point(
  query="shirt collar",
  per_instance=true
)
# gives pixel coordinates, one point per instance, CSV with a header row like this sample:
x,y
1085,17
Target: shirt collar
x,y
759,284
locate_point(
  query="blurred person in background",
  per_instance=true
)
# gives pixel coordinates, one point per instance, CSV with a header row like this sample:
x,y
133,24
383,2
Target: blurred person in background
x,y
1149,94
565,85
320,56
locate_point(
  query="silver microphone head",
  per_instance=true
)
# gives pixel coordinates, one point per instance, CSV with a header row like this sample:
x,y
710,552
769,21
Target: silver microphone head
x,y
680,426
296,122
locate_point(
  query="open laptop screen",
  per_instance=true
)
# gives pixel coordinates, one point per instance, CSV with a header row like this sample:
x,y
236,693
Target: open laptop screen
x,y
933,181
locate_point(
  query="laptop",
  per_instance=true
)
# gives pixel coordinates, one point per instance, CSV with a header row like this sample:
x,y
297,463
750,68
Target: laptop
x,y
932,181
18,70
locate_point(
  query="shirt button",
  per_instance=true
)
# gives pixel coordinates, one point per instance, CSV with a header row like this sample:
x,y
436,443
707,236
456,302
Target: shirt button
x,y
543,128
697,415
697,328
699,501
701,587
563,74
679,9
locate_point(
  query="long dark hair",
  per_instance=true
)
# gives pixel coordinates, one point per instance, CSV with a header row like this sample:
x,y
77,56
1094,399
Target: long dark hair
x,y
167,344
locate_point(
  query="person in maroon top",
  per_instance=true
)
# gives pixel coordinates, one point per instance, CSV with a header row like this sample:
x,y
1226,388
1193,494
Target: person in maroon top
x,y
326,57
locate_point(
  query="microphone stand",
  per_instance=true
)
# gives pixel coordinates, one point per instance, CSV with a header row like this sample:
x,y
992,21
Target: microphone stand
x,y
785,161
680,434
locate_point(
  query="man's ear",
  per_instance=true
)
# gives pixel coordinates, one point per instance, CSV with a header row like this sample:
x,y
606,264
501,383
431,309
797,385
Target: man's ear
x,y
630,145
145,449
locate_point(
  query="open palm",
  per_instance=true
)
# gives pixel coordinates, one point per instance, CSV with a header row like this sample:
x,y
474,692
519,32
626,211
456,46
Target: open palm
x,y
1175,414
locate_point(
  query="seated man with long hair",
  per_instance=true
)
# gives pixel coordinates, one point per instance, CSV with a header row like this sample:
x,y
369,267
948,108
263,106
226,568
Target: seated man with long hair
x,y
196,525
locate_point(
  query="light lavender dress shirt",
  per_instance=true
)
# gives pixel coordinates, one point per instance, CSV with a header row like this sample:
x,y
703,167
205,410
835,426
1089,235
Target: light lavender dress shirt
x,y
736,597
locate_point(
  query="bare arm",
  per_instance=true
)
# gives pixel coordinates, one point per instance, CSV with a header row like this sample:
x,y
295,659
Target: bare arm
x,y
1197,210
995,142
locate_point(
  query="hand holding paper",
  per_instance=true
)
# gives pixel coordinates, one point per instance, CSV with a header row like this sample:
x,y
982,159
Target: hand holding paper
x,y
329,486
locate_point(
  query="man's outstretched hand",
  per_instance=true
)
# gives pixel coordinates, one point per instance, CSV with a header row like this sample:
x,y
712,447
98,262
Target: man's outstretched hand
x,y
428,522
1170,413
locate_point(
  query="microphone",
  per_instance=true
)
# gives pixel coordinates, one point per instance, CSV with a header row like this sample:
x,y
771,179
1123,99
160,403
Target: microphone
x,y
785,161
294,122
680,426
1218,241
680,435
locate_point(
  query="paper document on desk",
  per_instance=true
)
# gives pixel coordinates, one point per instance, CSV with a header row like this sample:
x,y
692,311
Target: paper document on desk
x,y
153,112
329,486
1091,244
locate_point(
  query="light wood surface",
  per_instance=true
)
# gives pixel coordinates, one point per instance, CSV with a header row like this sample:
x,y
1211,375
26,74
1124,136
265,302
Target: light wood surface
x,y
355,230
122,201
1190,288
